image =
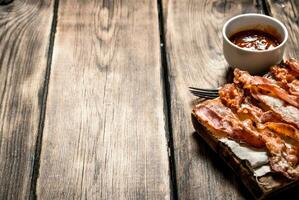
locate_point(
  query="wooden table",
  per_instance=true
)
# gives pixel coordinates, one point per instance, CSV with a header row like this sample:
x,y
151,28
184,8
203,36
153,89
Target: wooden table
x,y
94,100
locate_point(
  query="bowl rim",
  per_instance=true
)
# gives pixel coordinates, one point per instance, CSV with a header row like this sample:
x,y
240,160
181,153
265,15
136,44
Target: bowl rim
x,y
257,15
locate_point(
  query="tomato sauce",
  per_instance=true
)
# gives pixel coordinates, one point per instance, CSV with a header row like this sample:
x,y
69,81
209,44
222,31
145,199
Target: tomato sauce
x,y
254,40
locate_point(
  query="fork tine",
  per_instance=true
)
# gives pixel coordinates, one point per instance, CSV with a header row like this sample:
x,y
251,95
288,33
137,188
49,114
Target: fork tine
x,y
204,93
194,88
204,90
197,93
203,96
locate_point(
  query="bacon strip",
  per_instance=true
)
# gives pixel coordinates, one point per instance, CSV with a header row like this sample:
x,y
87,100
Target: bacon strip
x,y
294,87
282,129
283,74
246,110
222,122
287,113
283,159
293,65
286,78
231,96
265,86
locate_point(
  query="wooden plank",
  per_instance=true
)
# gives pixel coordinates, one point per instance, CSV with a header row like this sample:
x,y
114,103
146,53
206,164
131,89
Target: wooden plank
x,y
287,11
24,39
104,134
194,56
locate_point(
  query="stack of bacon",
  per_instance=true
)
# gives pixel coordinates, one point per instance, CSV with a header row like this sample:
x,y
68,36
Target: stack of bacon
x,y
262,112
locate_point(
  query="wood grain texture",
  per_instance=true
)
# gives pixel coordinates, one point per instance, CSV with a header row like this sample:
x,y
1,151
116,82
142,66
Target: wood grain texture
x,y
287,11
24,37
104,134
193,31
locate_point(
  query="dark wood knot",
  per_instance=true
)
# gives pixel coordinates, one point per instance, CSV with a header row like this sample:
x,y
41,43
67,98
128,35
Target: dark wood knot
x,y
5,2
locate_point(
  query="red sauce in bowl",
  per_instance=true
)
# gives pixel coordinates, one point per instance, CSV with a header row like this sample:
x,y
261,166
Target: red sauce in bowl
x,y
254,40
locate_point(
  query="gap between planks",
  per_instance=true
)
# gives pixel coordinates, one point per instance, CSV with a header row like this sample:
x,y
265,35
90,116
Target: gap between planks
x,y
43,94
167,102
265,7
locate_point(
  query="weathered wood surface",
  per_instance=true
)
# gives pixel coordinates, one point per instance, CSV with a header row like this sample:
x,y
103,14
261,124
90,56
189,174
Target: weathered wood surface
x,y
194,57
105,128
287,11
104,134
24,37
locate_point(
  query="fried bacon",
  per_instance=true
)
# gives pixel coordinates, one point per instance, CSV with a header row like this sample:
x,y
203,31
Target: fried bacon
x,y
293,65
222,122
261,112
286,78
283,74
294,87
264,85
282,129
231,96
287,113
246,110
283,157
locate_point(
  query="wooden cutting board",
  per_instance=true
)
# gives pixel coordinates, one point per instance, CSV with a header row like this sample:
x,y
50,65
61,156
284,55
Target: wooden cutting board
x,y
261,186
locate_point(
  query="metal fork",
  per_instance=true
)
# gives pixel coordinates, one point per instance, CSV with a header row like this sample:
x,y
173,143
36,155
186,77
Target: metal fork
x,y
204,93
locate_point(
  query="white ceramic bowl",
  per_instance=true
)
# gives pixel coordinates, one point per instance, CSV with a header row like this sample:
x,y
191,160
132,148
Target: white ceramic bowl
x,y
254,61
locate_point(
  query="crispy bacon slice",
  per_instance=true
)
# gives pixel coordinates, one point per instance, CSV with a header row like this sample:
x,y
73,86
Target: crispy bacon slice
x,y
282,113
283,129
286,78
222,122
265,86
283,158
275,91
256,114
283,74
287,113
231,96
293,65
294,87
